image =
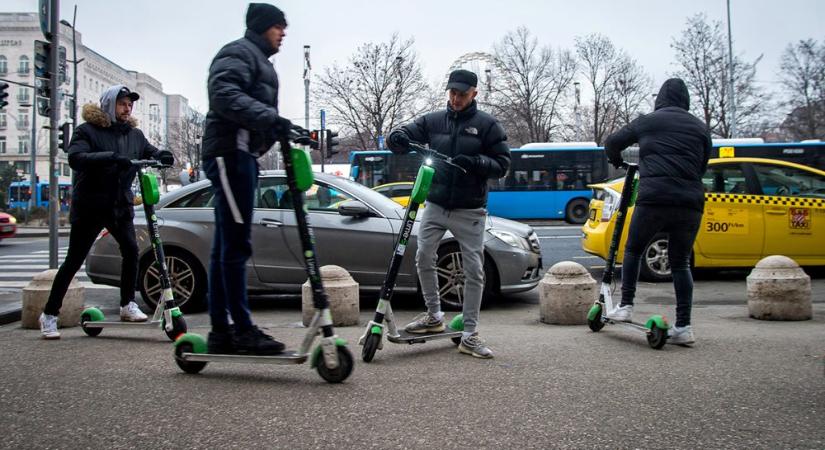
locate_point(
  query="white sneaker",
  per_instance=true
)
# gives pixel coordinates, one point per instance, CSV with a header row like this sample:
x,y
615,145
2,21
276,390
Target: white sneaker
x,y
132,313
621,313
48,326
681,335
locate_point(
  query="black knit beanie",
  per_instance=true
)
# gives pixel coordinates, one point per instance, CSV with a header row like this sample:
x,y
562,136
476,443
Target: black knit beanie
x,y
262,16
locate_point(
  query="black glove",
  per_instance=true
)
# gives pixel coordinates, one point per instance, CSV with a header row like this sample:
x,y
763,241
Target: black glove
x,y
399,141
616,163
282,126
166,157
466,162
123,162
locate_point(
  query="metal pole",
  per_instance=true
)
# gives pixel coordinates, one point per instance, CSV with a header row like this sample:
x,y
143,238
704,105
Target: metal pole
x,y
54,117
74,76
731,97
577,112
489,80
307,71
33,162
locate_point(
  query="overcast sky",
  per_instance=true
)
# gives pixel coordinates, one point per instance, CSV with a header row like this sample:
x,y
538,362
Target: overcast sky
x,y
175,40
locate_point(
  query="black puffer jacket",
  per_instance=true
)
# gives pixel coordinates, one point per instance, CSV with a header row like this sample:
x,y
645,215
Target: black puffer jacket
x,y
674,147
100,187
467,132
243,98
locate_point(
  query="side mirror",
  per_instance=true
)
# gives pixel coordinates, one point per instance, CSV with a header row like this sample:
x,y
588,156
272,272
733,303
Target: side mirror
x,y
353,208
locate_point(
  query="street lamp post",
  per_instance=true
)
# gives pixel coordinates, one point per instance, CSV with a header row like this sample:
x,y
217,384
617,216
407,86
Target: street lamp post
x,y
577,110
33,156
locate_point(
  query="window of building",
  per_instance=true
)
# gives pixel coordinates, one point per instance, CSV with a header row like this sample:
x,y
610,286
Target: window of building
x,y
23,68
2,145
22,119
22,94
3,122
22,166
22,146
67,170
4,66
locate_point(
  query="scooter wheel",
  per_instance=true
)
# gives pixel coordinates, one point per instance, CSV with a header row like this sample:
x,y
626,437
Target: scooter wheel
x,y
456,340
87,317
657,337
178,327
595,324
340,373
370,347
187,366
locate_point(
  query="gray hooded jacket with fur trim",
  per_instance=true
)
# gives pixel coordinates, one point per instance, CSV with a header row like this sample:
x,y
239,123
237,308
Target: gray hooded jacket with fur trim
x,y
100,187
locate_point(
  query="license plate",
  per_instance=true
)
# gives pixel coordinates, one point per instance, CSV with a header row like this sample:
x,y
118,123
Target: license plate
x,y
7,228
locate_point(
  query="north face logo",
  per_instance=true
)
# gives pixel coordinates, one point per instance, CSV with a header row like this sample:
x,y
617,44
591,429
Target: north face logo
x,y
471,130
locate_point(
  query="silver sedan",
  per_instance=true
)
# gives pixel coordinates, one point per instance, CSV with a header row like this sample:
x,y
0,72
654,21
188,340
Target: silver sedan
x,y
355,228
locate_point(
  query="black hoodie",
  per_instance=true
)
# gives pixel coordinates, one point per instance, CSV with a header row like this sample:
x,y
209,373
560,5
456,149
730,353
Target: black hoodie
x,y
674,147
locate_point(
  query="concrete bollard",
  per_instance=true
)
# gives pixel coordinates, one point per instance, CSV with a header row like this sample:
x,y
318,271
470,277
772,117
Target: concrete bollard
x,y
778,289
36,293
342,292
566,293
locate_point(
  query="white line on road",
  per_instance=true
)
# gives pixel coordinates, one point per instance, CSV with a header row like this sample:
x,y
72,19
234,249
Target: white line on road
x,y
585,257
22,284
560,237
46,257
80,274
561,227
29,266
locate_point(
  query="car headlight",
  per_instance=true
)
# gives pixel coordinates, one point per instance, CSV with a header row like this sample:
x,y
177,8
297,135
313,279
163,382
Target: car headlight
x,y
511,239
12,219
610,205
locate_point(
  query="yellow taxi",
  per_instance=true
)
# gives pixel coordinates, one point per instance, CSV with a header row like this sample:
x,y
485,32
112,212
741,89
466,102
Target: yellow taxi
x,y
398,192
754,207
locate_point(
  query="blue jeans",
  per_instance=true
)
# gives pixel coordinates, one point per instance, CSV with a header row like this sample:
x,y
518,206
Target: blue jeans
x,y
681,224
234,178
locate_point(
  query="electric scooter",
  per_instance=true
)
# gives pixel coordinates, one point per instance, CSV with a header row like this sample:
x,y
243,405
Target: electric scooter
x,y
371,340
331,358
167,314
656,326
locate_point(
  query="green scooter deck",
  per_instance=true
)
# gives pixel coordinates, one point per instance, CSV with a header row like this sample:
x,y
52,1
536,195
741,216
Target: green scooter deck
x,y
419,338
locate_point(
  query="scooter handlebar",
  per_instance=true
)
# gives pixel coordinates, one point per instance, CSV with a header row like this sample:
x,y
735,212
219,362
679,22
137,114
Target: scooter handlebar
x,y
149,163
434,154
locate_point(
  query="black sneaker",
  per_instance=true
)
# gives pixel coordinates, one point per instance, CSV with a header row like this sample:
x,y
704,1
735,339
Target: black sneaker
x,y
220,343
255,342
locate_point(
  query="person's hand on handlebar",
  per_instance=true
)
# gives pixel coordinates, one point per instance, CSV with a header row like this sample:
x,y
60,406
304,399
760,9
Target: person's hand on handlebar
x,y
282,126
122,161
616,162
399,141
466,162
166,157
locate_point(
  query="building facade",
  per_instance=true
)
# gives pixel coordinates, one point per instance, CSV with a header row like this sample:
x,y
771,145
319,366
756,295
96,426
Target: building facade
x,y
95,73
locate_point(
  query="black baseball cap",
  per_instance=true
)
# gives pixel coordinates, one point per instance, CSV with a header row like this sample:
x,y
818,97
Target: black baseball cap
x,y
462,80
125,92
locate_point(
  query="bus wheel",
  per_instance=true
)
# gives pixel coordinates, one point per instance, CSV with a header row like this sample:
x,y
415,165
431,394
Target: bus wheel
x,y
576,211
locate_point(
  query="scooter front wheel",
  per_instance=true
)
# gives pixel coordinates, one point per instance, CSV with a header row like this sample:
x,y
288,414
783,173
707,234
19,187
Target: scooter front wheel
x,y
187,366
370,346
340,373
91,315
656,337
178,327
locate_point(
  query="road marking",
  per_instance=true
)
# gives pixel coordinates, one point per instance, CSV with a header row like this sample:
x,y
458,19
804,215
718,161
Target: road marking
x,y
560,237
561,227
46,257
81,274
585,257
22,284
31,260
28,266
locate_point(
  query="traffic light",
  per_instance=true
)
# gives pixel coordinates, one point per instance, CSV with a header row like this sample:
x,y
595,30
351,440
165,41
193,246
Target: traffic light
x,y
332,142
3,95
63,136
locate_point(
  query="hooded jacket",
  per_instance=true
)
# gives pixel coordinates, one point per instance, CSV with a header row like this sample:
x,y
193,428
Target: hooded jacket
x,y
243,99
468,132
674,147
100,187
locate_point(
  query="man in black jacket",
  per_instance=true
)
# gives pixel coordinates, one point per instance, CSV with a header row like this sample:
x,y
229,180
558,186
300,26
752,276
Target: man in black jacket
x,y
241,125
100,154
674,147
457,199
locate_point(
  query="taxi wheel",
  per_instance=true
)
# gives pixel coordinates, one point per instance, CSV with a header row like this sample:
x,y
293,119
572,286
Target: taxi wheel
x,y
655,263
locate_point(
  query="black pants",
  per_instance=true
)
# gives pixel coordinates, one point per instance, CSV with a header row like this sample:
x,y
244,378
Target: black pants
x,y
681,224
81,237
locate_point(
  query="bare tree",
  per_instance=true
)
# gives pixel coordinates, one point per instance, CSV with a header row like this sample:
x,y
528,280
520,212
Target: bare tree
x,y
531,89
378,89
619,84
802,71
185,139
701,54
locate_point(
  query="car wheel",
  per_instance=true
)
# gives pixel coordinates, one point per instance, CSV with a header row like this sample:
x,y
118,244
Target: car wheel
x,y
576,211
188,280
655,263
450,274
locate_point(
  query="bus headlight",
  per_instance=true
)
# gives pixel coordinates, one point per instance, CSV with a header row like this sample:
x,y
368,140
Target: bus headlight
x,y
511,239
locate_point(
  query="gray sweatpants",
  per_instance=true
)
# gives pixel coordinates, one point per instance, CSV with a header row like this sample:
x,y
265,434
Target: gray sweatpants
x,y
467,226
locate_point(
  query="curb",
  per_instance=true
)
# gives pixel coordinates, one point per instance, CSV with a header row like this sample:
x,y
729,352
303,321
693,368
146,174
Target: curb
x,y
10,316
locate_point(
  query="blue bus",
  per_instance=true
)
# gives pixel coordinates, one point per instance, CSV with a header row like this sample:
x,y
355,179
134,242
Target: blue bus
x,y
545,180
20,194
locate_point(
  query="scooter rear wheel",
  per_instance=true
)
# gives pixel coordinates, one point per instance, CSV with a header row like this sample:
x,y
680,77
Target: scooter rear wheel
x,y
657,337
340,373
456,340
370,346
596,324
86,317
187,366
178,327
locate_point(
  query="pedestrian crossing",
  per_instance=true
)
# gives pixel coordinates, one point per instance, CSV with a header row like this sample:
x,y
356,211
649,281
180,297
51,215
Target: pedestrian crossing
x,y
16,271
